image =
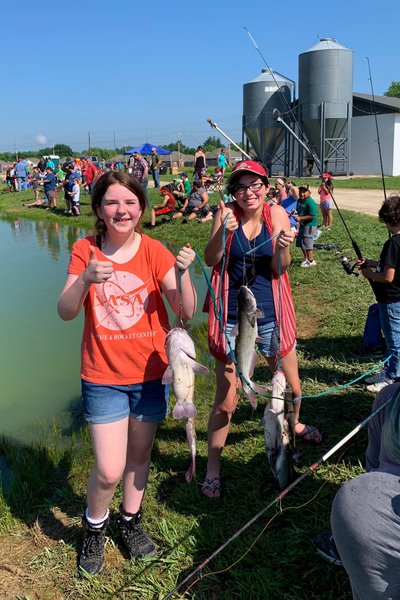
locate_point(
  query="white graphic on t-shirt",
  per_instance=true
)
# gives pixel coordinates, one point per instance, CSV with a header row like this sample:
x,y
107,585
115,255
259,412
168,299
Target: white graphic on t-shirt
x,y
121,301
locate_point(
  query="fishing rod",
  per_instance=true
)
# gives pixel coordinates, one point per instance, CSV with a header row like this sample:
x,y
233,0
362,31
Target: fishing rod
x,y
377,129
277,116
215,126
277,499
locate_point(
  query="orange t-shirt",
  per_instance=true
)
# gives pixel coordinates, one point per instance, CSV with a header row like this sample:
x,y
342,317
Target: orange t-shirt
x,y
126,321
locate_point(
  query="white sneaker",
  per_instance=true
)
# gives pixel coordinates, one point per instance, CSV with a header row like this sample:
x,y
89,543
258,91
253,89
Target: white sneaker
x,y
312,263
377,387
376,377
305,263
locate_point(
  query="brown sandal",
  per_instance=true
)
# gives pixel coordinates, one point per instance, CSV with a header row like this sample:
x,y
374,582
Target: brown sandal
x,y
311,435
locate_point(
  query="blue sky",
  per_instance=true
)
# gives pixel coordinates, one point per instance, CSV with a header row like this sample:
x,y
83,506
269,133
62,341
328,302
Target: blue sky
x,y
148,71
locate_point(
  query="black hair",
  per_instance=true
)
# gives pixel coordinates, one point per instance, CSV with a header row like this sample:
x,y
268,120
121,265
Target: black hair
x,y
389,213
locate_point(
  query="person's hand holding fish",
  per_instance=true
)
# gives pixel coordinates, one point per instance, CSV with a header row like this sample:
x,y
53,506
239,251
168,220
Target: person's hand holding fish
x,y
285,238
185,257
227,217
97,270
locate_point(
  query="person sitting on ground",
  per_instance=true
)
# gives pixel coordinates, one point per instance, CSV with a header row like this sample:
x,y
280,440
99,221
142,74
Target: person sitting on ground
x,y
365,515
307,217
196,205
183,188
167,206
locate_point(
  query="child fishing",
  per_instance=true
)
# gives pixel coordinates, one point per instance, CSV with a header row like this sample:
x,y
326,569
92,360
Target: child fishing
x,y
385,278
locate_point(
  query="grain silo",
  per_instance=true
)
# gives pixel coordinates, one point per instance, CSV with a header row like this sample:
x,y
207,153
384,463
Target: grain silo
x,y
325,101
261,96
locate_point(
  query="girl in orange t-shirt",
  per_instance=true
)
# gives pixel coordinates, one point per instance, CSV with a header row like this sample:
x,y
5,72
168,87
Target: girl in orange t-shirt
x,y
119,276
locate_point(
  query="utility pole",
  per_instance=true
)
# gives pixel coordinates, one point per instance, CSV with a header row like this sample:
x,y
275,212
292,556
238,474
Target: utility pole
x,y
89,142
179,148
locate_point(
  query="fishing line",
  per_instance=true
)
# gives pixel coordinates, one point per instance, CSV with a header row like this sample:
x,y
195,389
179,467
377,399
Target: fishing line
x,y
377,128
304,141
219,314
279,496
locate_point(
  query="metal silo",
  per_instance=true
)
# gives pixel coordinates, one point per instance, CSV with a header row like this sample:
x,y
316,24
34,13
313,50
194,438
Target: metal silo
x,y
260,96
325,100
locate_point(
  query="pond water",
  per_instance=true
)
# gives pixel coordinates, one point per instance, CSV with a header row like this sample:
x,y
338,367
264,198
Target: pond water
x,y
40,353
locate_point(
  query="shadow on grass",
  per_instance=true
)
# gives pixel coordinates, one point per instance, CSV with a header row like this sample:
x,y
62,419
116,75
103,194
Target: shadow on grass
x,y
36,478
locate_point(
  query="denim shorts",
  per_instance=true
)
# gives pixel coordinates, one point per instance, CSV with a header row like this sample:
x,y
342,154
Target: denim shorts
x,y
147,402
267,332
326,204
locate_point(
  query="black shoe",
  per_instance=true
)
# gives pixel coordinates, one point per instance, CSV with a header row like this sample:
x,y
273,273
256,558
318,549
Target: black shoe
x,y
136,540
326,548
91,558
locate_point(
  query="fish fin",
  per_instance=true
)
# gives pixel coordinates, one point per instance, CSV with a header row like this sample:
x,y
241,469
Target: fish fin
x,y
184,410
200,369
260,340
191,472
234,331
261,389
167,377
259,314
251,397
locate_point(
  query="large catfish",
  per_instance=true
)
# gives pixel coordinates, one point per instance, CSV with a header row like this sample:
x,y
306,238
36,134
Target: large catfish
x,y
247,336
279,433
181,369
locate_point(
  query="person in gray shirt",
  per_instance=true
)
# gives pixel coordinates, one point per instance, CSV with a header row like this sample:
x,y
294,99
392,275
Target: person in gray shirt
x,y
365,516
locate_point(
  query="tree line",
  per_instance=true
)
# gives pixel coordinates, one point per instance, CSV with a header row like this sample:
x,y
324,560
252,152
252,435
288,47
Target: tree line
x,y
65,151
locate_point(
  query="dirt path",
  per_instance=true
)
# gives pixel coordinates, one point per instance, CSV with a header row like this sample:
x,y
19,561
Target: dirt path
x,y
366,201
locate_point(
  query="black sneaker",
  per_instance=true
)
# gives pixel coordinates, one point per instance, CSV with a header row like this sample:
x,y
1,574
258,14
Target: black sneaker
x,y
91,558
326,548
136,540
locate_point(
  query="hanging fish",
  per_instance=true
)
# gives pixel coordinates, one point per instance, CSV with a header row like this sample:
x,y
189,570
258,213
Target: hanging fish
x,y
246,338
181,370
279,433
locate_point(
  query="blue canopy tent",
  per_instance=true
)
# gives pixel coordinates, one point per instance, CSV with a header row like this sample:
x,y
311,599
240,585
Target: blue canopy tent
x,y
146,149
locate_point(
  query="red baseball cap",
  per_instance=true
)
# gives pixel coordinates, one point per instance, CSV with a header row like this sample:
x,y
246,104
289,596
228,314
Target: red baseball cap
x,y
247,166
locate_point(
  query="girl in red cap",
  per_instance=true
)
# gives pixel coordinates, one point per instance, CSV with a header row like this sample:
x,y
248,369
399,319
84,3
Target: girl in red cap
x,y
250,222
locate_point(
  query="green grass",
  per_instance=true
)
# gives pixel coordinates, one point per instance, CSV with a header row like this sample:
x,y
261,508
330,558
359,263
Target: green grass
x,y
41,504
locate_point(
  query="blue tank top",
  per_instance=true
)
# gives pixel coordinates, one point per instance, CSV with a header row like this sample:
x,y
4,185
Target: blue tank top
x,y
253,270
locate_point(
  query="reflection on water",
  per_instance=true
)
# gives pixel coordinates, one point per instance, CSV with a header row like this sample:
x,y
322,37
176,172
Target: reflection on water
x,y
40,353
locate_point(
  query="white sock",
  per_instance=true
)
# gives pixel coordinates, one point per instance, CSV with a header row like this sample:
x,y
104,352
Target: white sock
x,y
96,523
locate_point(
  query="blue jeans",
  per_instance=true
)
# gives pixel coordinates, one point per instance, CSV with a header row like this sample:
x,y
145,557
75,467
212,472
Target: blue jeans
x,y
144,183
389,315
156,177
21,183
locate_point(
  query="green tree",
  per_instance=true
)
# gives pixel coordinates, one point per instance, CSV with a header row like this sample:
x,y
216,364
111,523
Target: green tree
x,y
393,90
62,150
212,143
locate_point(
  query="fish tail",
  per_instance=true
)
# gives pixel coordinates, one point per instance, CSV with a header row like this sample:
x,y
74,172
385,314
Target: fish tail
x,y
185,410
